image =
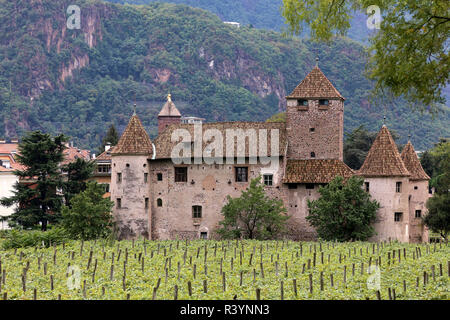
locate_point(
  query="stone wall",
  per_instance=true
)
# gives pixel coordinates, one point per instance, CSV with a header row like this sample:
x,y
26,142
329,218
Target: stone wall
x,y
384,191
297,205
418,196
326,140
207,186
164,122
133,219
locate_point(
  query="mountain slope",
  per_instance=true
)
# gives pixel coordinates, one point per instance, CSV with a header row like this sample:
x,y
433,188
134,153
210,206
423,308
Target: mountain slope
x,y
80,81
263,14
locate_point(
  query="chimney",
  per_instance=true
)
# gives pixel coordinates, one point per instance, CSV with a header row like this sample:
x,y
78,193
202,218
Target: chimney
x,y
107,146
93,156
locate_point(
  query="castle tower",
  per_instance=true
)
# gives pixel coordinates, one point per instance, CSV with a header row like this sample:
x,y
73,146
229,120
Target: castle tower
x,y
418,194
387,180
315,119
168,115
129,181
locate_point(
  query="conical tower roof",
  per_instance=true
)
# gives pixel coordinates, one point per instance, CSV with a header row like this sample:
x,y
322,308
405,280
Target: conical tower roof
x,y
383,159
169,109
315,85
412,163
134,139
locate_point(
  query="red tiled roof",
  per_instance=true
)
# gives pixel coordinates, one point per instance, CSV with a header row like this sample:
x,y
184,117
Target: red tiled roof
x,y
383,159
316,171
412,163
164,144
315,85
9,147
104,156
134,139
72,154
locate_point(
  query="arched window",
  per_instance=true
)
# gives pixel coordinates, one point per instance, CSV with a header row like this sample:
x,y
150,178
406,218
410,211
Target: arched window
x,y
159,202
313,154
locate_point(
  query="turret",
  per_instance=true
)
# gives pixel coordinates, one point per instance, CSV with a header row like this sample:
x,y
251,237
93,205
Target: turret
x,y
168,115
418,194
387,180
129,181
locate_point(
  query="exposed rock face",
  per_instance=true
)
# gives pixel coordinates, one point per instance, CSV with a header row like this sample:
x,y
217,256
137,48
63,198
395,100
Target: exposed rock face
x,y
247,71
77,62
52,31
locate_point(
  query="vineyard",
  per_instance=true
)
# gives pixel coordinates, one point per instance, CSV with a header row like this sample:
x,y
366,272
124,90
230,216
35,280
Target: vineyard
x,y
205,269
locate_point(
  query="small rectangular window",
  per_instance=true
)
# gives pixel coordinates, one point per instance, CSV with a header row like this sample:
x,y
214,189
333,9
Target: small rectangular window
x,y
196,211
292,186
268,179
119,203
398,216
312,129
323,102
310,186
416,187
367,185
418,213
146,203
145,177
302,102
159,176
241,174
204,235
398,187
181,174
119,177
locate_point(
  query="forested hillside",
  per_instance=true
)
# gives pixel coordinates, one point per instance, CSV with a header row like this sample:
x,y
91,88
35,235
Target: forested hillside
x,y
80,81
263,14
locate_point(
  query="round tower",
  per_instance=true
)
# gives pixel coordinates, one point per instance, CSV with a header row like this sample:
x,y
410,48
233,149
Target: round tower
x,y
130,180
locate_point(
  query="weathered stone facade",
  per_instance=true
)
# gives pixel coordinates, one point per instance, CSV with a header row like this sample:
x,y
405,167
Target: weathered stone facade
x,y
315,129
156,200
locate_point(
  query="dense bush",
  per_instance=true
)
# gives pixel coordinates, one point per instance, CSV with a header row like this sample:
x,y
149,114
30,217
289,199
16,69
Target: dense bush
x,y
23,238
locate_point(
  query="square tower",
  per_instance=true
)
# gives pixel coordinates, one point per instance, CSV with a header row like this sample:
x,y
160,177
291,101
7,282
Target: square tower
x,y
315,119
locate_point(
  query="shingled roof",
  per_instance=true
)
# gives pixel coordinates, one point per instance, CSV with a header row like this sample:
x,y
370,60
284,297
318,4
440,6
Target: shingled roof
x,y
164,145
315,85
412,163
169,109
383,159
104,156
316,171
134,139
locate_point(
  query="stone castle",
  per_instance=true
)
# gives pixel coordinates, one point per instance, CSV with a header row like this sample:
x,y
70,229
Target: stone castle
x,y
158,196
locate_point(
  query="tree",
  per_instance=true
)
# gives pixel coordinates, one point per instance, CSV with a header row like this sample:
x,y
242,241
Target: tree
x,y
438,216
89,216
36,193
407,56
112,137
253,215
357,145
427,162
77,174
278,117
344,211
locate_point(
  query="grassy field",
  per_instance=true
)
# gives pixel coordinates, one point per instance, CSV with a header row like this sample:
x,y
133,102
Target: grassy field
x,y
225,270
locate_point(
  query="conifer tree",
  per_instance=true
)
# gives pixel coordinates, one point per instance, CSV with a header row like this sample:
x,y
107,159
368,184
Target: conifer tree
x,y
35,194
112,137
